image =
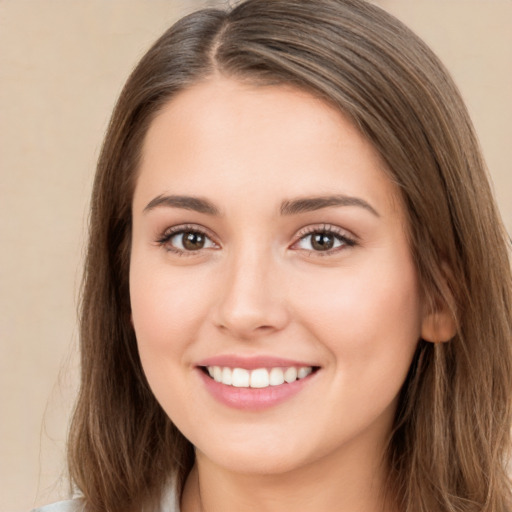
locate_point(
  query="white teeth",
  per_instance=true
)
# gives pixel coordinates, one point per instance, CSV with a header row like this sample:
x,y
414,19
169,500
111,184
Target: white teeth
x,y
276,377
290,375
227,377
259,378
240,378
304,372
217,373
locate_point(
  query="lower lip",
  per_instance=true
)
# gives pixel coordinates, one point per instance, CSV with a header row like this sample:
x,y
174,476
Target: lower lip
x,y
253,399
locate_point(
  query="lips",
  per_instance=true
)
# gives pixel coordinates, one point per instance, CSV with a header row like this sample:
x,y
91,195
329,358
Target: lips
x,y
256,382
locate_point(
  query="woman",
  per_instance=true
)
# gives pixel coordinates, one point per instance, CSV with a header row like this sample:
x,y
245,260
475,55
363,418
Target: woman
x,y
297,292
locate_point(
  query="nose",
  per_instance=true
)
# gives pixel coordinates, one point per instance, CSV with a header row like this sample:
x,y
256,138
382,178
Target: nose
x,y
252,297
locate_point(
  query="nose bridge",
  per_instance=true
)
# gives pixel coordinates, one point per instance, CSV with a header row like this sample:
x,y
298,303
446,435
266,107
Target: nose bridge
x,y
251,300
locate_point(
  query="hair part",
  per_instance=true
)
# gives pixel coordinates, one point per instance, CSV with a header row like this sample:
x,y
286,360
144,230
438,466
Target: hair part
x,y
451,438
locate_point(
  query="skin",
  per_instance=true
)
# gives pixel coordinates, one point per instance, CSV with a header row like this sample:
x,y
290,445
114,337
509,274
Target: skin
x,y
259,287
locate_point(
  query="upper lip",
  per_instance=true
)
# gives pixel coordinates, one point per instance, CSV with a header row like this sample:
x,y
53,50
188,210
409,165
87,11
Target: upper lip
x,y
252,362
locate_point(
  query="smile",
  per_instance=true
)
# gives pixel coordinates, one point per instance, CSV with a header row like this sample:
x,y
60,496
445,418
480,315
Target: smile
x,y
254,384
259,377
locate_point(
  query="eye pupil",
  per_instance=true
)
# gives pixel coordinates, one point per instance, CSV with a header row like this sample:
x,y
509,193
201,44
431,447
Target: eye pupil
x,y
193,241
322,241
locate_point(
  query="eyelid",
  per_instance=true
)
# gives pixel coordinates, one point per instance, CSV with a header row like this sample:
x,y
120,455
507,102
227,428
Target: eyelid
x,y
328,228
169,232
349,239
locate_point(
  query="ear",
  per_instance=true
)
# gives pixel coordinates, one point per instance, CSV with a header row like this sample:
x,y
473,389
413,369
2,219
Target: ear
x,y
439,326
439,323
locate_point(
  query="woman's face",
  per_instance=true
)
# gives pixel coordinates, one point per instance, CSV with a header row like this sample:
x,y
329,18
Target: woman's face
x,y
269,250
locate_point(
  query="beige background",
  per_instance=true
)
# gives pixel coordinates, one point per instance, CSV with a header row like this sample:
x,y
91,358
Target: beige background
x,y
62,64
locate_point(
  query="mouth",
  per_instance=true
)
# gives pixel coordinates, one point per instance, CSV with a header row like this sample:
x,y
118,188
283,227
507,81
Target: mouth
x,y
255,383
257,378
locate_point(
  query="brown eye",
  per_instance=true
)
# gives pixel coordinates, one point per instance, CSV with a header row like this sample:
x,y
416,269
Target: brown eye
x,y
187,241
192,240
322,241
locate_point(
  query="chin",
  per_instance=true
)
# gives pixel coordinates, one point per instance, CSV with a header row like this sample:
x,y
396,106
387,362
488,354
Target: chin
x,y
258,464
263,457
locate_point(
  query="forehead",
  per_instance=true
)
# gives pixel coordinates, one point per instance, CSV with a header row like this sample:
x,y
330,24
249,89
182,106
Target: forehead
x,y
246,136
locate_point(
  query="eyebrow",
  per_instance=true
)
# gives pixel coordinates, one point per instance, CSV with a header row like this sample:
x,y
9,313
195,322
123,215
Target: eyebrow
x,y
296,206
309,204
185,202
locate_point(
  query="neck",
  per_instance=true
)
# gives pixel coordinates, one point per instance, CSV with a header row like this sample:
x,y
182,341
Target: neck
x,y
349,482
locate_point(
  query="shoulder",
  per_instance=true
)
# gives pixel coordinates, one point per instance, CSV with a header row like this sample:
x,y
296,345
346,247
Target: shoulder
x,y
62,506
169,504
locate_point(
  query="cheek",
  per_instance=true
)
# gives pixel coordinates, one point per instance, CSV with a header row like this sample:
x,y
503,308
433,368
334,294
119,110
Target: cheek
x,y
369,322
166,311
163,302
365,315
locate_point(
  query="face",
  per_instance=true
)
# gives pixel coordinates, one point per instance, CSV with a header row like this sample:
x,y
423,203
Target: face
x,y
274,298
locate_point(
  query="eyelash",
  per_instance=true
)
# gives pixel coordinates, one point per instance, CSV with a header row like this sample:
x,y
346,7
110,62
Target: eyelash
x,y
164,239
326,229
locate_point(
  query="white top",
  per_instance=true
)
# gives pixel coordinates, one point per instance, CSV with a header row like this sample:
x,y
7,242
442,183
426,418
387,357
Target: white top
x,y
169,504
61,506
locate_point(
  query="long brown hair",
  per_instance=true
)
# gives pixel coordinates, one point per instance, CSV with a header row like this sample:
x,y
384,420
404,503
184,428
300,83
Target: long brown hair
x,y
450,443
